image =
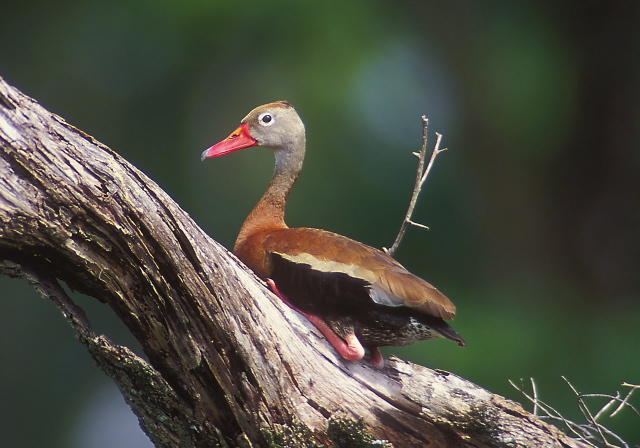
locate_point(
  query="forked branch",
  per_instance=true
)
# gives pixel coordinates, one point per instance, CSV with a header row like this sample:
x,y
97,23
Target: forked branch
x,y
421,176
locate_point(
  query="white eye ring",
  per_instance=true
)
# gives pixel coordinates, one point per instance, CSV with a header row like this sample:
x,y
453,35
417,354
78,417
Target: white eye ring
x,y
266,119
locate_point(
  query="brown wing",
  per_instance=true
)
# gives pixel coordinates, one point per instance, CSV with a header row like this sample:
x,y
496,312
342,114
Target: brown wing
x,y
388,282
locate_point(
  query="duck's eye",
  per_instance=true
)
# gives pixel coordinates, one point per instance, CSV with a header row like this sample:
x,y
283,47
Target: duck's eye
x,y
265,119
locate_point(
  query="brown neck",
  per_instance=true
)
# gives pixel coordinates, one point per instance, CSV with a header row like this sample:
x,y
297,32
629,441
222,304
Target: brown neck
x,y
269,212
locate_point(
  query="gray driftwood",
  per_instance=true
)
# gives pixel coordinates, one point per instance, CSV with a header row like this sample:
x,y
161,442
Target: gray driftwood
x,y
229,365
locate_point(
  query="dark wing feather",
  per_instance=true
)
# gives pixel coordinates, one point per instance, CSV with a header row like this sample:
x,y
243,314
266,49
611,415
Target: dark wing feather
x,y
389,283
318,292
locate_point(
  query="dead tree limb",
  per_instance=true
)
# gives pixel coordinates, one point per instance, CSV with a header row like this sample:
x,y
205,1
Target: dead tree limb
x,y
421,177
228,364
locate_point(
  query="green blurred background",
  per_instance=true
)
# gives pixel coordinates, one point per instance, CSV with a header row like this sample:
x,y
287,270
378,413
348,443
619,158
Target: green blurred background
x,y
534,211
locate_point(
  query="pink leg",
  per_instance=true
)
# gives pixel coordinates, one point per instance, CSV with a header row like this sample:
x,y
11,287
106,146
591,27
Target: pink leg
x,y
375,357
349,348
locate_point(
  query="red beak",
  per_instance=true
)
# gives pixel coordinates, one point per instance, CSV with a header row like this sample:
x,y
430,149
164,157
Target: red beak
x,y
239,139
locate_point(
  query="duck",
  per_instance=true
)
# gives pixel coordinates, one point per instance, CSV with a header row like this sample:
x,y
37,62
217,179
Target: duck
x,y
357,296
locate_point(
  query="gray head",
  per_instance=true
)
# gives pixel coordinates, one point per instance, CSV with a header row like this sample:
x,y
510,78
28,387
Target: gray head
x,y
275,125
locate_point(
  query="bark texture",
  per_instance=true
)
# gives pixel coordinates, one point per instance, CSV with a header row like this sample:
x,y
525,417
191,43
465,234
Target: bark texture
x,y
229,365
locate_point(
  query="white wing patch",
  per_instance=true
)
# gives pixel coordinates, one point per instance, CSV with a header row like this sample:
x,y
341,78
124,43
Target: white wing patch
x,y
384,297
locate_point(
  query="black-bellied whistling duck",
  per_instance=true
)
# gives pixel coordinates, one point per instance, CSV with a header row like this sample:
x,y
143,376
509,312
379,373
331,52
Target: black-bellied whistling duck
x,y
357,296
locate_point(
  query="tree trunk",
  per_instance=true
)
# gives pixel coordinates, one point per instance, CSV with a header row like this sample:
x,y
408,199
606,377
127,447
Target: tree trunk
x,y
229,364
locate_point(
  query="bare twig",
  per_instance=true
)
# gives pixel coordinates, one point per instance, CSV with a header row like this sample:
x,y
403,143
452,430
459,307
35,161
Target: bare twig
x,y
552,414
421,177
592,432
624,402
534,389
612,401
586,413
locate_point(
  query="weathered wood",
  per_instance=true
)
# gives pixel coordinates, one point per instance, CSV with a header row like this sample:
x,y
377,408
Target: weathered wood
x,y
229,365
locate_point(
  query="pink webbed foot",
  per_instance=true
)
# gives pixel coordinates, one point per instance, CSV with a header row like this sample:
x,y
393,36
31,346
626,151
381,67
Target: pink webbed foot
x,y
349,348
